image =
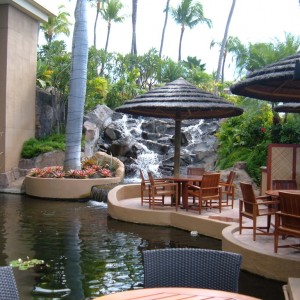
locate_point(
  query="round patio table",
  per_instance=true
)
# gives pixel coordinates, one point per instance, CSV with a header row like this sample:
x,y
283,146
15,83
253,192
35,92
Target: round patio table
x,y
182,181
175,293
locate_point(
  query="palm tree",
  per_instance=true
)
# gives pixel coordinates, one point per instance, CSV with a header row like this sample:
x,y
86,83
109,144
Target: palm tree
x,y
111,14
56,25
77,88
98,6
223,45
188,14
134,14
164,28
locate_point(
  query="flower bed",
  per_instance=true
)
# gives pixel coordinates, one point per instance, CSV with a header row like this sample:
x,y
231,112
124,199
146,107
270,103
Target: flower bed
x,y
53,182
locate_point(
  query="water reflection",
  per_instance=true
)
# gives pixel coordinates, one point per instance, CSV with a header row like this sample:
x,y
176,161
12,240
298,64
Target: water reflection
x,y
88,253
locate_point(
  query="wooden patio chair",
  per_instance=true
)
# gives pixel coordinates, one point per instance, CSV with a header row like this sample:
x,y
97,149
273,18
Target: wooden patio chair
x,y
195,171
159,189
287,220
195,268
198,171
284,184
145,189
209,191
228,189
253,207
8,286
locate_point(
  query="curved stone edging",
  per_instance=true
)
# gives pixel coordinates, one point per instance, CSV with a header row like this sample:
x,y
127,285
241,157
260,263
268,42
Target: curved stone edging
x,y
262,263
63,188
69,188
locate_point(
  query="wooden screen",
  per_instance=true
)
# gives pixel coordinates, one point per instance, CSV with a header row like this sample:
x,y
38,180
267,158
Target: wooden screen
x,y
283,163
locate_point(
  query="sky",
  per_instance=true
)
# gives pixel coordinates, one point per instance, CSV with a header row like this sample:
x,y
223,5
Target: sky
x,y
252,21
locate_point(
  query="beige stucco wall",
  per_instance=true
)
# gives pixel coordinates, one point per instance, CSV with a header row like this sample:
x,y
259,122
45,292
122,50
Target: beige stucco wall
x,y
18,40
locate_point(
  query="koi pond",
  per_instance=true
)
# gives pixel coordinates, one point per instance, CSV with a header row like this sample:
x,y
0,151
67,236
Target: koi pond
x,y
86,253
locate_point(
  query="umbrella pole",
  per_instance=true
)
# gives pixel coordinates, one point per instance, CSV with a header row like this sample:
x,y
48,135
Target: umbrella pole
x,y
177,147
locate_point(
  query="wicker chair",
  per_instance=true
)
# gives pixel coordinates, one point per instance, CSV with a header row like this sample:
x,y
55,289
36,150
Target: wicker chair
x,y
228,189
8,286
253,207
206,193
159,189
287,220
197,268
284,184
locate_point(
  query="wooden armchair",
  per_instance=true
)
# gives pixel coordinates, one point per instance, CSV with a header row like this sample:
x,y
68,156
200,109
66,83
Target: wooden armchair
x,y
159,189
198,171
284,184
195,171
145,189
228,189
287,220
253,207
206,193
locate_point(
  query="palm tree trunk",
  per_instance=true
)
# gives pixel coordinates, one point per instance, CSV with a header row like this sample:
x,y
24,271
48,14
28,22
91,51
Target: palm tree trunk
x,y
77,88
134,14
164,29
180,43
222,50
107,37
96,21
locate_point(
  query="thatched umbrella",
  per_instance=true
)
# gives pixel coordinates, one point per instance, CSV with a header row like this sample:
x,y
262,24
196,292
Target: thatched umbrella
x,y
179,100
277,82
288,108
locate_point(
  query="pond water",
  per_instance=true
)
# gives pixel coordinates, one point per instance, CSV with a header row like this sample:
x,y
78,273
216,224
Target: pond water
x,y
89,254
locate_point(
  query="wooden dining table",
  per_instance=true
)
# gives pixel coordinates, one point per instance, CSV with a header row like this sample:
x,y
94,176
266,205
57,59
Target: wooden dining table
x,y
275,193
175,293
182,181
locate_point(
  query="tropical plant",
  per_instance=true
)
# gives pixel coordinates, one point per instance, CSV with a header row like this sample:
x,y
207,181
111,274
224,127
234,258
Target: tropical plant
x,y
77,88
188,14
255,56
24,265
111,13
246,137
56,25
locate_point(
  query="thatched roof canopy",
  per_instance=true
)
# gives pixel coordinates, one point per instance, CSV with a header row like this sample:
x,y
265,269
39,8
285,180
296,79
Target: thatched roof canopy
x,y
180,100
288,108
274,82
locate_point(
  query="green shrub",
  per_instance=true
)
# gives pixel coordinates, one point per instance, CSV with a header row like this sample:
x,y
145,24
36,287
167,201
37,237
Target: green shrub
x,y
34,147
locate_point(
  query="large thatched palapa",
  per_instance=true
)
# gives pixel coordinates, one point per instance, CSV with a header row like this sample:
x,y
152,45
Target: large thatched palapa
x,y
277,82
179,100
288,108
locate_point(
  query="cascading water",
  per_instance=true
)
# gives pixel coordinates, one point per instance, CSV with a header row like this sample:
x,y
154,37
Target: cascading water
x,y
146,158
151,148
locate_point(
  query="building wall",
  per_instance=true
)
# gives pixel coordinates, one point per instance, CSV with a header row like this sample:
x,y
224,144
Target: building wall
x,y
18,40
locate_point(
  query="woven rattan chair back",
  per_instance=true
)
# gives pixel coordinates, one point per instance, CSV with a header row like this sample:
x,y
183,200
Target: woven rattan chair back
x,y
196,268
8,286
